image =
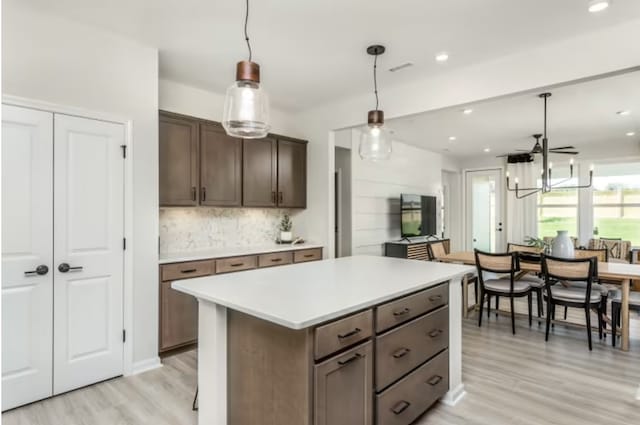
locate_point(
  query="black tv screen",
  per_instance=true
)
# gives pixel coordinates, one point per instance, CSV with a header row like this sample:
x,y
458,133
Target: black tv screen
x,y
418,215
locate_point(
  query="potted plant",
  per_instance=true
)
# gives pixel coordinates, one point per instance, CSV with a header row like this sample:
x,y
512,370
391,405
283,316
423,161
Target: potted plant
x,y
285,229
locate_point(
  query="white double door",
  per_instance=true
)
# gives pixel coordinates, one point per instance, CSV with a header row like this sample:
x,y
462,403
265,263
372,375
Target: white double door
x,y
62,253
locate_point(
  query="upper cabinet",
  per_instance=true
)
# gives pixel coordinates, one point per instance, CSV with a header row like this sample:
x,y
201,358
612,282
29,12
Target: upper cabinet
x,y
220,167
260,172
201,165
292,174
178,161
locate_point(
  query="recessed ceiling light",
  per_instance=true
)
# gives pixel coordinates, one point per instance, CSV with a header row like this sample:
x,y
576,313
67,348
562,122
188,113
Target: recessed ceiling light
x,y
442,57
487,149
596,6
631,133
467,111
452,138
624,112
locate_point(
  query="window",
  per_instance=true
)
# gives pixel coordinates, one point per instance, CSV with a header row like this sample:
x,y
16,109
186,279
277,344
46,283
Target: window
x,y
616,202
558,210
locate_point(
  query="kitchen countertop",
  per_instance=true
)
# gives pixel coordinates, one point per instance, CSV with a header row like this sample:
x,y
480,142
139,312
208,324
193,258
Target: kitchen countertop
x,y
177,257
299,296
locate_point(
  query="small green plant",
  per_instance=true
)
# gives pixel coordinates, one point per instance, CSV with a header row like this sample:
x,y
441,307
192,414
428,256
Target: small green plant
x,y
286,223
536,242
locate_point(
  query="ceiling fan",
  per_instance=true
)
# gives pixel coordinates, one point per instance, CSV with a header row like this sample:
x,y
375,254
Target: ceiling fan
x,y
537,149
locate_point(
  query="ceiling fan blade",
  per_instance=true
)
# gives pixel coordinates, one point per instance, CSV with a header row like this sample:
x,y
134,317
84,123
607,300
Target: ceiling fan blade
x,y
562,147
523,150
564,152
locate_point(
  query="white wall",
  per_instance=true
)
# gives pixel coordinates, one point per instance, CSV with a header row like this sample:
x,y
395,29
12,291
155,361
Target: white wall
x,y
454,215
188,100
567,60
50,59
376,192
343,167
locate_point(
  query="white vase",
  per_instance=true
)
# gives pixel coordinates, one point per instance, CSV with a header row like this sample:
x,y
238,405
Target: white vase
x,y
286,236
563,245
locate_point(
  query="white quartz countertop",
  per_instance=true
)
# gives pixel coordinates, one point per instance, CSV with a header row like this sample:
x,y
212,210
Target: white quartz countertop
x,y
177,257
299,296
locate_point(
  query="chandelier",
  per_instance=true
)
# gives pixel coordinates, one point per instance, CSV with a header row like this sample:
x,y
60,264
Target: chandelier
x,y
547,186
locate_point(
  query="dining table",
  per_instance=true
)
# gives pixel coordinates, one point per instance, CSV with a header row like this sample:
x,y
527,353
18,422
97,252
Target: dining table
x,y
620,273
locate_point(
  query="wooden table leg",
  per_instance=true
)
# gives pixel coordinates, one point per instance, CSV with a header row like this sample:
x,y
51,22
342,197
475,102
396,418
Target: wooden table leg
x,y
625,314
465,296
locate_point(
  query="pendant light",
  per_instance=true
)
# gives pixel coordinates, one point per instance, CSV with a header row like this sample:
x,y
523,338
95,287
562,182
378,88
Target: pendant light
x,y
375,143
246,105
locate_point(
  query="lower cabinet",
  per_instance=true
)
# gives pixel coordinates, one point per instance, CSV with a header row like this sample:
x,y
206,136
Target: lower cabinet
x,y
344,388
178,318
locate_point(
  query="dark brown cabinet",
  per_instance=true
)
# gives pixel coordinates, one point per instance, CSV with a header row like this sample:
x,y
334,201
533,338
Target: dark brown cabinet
x,y
178,318
260,172
220,167
178,156
343,388
292,174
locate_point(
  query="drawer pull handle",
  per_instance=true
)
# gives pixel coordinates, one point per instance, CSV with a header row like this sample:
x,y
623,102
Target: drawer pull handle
x,y
309,255
276,260
434,333
188,271
401,312
237,264
401,353
353,358
435,380
400,407
350,334
434,298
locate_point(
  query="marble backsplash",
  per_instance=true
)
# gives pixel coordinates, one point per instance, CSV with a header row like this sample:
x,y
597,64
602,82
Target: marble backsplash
x,y
195,229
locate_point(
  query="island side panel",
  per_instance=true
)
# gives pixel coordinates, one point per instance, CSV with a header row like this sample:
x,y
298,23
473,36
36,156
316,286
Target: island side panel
x,y
270,372
456,387
212,363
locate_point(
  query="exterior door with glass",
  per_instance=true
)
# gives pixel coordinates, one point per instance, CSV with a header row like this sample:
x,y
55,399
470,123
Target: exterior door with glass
x,y
484,210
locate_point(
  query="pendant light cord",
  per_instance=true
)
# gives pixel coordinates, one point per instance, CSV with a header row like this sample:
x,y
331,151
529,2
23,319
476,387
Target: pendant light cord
x,y
375,79
246,34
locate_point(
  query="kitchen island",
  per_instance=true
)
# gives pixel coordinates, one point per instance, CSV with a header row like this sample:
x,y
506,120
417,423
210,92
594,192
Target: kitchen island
x,y
355,340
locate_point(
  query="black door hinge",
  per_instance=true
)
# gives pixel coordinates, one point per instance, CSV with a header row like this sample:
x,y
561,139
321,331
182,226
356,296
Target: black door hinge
x,y
124,150
124,335
124,244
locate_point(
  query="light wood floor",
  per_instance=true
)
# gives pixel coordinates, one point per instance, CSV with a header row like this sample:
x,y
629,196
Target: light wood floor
x,y
510,380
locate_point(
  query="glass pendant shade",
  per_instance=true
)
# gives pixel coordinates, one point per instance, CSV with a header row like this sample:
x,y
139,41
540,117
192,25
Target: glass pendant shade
x,y
246,106
375,141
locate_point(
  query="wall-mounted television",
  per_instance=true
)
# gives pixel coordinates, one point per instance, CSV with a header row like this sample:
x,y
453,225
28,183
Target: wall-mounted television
x,y
418,215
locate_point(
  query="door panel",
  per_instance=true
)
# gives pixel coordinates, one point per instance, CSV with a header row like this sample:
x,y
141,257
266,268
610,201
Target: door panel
x,y
292,174
259,172
88,239
220,167
178,157
27,242
484,210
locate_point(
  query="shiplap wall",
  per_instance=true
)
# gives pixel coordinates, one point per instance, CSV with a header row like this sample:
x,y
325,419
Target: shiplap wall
x,y
376,189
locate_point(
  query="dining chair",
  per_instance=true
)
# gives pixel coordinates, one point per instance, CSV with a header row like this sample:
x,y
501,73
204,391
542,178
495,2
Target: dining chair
x,y
616,308
441,248
506,286
602,256
568,272
529,254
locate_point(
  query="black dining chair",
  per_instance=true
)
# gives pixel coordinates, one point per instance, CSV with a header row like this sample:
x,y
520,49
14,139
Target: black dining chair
x,y
501,286
569,283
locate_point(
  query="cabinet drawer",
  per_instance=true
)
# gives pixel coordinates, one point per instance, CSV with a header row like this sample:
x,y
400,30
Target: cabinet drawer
x,y
344,388
236,264
407,308
343,333
275,259
307,255
402,349
403,402
186,270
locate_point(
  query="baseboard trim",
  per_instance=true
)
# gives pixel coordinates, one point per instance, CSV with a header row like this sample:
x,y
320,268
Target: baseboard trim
x,y
454,396
146,365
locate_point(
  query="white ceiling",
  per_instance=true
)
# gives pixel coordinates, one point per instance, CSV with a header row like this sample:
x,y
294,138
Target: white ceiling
x,y
313,52
580,114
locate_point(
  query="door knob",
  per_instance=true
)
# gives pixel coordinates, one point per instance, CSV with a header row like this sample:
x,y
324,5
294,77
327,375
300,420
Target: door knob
x,y
64,268
40,270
